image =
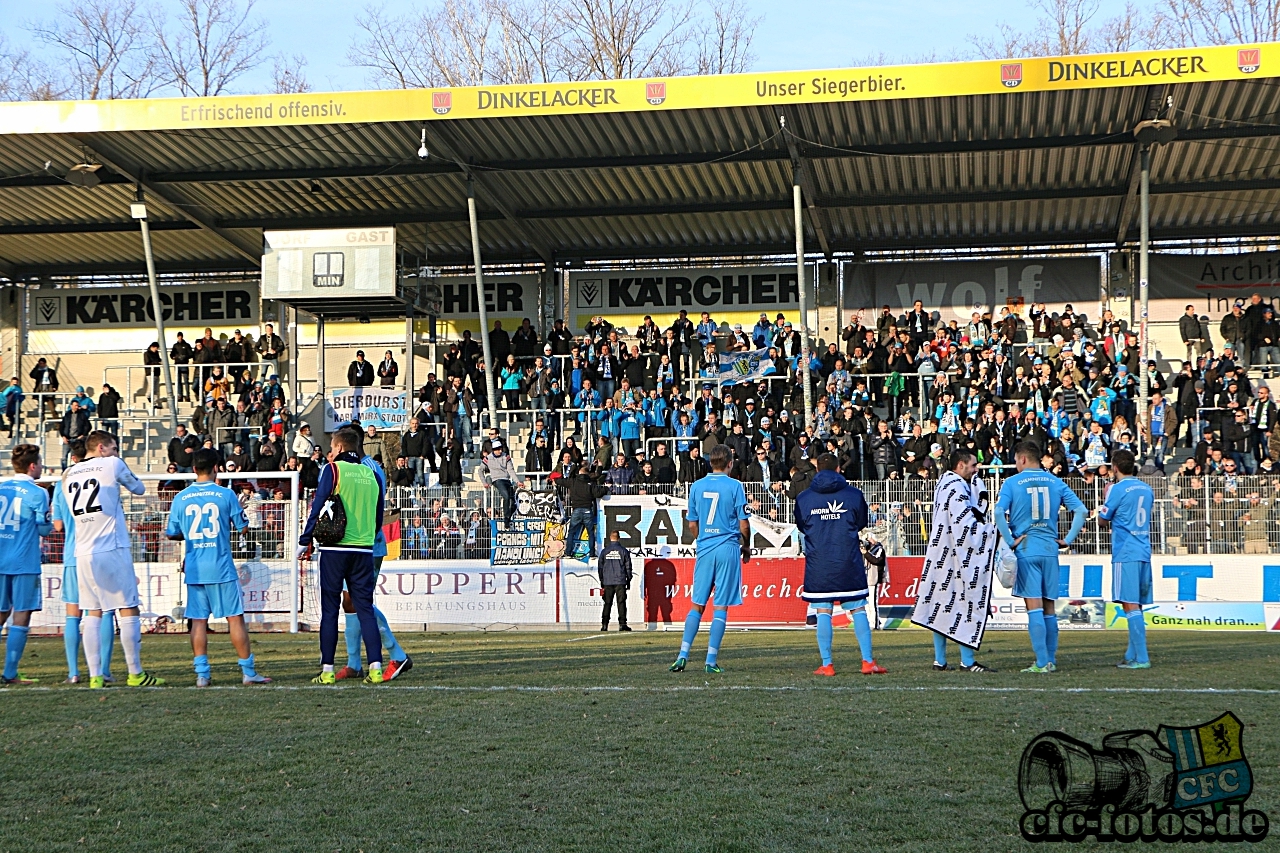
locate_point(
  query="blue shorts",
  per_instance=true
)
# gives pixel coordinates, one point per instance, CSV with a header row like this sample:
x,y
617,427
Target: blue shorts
x,y
721,569
1131,582
1037,578
217,600
19,592
70,584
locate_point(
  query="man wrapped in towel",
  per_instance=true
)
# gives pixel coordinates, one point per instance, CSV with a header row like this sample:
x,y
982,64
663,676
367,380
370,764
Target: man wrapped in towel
x,y
955,585
830,513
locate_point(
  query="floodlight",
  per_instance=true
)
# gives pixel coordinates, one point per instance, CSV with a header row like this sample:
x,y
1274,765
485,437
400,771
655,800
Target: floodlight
x,y
84,175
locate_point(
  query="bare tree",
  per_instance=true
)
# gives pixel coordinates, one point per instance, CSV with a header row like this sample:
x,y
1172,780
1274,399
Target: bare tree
x,y
532,43
289,75
1183,23
23,77
391,48
480,42
212,43
615,39
1005,43
454,45
725,43
1061,29
1066,27
103,48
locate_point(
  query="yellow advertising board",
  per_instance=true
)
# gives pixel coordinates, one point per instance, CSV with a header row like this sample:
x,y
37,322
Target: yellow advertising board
x,y
1183,65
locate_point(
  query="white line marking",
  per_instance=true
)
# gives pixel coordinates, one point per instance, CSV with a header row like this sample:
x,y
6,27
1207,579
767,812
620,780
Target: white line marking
x,y
565,688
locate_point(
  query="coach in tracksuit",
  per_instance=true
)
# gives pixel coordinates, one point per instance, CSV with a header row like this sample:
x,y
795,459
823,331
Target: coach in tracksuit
x,y
350,561
830,514
615,579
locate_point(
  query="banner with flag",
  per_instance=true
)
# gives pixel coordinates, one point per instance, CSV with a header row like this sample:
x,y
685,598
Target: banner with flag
x,y
747,366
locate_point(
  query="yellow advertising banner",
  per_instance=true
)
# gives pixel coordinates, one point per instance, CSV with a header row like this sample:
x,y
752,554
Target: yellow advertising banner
x,y
1184,65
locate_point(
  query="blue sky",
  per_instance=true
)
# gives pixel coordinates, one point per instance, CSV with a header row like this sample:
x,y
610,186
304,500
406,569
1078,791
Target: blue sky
x,y
798,34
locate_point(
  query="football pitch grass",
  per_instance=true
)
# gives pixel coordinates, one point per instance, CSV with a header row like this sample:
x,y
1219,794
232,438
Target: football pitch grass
x,y
549,741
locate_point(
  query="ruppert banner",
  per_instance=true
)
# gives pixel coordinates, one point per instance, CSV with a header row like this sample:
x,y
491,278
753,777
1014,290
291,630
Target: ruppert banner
x,y
101,308
958,288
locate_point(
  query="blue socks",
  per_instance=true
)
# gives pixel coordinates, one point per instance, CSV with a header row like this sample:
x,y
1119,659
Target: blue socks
x,y
940,651
1137,636
352,636
1051,636
14,648
107,637
389,643
204,669
71,639
1036,628
691,623
862,628
718,623
824,636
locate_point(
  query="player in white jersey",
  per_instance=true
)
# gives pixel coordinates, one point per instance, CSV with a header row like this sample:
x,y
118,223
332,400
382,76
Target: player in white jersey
x,y
103,558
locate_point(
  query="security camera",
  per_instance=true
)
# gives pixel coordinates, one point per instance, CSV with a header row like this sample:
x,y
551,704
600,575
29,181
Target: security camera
x,y
423,153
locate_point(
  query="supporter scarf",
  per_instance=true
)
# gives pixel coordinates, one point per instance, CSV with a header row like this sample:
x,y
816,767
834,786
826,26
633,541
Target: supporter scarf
x,y
955,587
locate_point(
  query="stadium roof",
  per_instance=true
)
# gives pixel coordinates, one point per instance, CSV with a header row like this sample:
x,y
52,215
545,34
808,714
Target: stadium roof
x,y
1034,152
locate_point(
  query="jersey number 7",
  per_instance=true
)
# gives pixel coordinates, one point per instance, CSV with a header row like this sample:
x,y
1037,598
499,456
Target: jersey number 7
x,y
714,497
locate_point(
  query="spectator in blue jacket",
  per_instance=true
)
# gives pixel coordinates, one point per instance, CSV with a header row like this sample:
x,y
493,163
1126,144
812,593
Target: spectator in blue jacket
x,y
686,427
11,399
587,398
629,424
762,332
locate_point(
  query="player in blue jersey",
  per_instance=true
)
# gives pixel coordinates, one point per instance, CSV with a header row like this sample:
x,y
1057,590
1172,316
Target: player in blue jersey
x,y
64,522
400,662
717,519
203,516
1127,508
1027,517
24,518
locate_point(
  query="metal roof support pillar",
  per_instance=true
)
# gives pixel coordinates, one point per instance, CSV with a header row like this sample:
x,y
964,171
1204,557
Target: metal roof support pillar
x,y
139,211
1144,340
411,396
295,373
480,303
804,308
320,389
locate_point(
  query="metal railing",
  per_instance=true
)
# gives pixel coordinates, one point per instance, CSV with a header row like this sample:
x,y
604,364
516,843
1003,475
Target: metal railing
x,y
143,385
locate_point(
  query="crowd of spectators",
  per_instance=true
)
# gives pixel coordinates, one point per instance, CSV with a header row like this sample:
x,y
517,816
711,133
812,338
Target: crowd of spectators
x,y
894,394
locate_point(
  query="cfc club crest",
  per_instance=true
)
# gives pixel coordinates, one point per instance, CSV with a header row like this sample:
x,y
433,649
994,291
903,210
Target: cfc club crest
x,y
1249,60
1011,74
441,102
656,93
1208,762
747,365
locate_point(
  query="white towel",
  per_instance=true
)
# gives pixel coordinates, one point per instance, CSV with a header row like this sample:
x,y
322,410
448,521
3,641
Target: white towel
x,y
955,585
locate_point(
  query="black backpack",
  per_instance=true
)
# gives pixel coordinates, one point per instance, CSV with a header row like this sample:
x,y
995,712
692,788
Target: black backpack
x,y
331,521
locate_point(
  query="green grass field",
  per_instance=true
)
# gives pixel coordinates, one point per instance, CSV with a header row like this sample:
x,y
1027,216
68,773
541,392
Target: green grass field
x,y
544,741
